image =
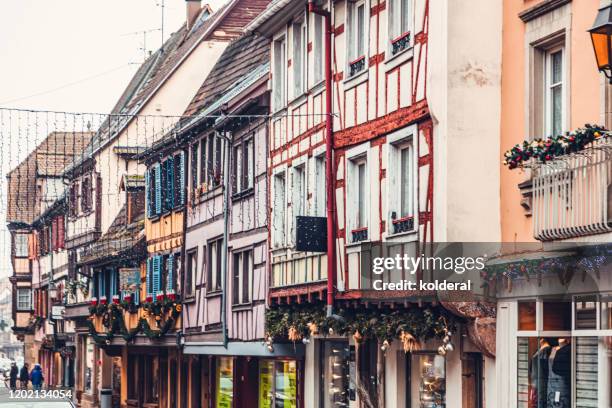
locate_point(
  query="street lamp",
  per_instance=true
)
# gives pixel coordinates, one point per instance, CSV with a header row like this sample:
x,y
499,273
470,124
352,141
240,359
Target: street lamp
x,y
52,290
601,35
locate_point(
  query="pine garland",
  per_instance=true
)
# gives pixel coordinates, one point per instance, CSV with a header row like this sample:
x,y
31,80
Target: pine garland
x,y
545,150
295,322
113,320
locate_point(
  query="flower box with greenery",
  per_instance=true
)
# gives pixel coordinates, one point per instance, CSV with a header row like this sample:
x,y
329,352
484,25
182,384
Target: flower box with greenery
x,y
545,150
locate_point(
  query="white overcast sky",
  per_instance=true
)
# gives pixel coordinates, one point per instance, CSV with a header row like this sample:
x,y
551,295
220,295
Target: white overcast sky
x,y
75,56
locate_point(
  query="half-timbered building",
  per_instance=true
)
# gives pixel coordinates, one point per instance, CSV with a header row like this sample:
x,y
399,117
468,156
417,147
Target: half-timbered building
x,y
396,82
227,231
36,218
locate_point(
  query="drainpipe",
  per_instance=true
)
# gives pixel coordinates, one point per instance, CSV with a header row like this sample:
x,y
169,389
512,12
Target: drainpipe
x,y
226,187
329,169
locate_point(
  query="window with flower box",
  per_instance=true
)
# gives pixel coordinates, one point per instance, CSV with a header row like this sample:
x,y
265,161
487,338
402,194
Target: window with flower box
x,y
400,25
402,176
357,16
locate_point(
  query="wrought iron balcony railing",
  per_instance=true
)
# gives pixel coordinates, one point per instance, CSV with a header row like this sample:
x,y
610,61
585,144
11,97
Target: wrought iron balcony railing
x,y
572,195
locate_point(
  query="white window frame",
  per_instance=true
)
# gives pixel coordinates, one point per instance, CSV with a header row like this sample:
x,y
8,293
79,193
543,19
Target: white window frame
x,y
299,172
279,78
357,156
352,38
299,57
319,185
549,86
397,141
240,254
21,245
318,48
279,211
396,30
24,299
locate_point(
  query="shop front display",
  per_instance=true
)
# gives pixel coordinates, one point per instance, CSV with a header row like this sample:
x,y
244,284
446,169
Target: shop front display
x,y
225,382
564,354
427,380
277,384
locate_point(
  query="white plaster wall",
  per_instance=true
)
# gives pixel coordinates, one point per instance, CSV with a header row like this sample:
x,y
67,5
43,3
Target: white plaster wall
x,y
464,94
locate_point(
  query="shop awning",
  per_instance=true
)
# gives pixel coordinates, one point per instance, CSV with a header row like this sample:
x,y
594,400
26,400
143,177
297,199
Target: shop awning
x,y
255,349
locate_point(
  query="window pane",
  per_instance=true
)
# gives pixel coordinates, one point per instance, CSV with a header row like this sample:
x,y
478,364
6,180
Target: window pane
x,y
586,313
428,378
318,48
406,181
297,58
285,384
279,209
360,30
335,374
266,392
606,313
405,19
361,186
557,315
225,382
527,315
320,186
557,110
556,67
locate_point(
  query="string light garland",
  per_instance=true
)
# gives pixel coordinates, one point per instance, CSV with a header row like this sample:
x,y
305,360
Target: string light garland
x,y
546,150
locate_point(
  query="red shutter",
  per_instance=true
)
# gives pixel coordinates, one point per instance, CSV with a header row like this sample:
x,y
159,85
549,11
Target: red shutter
x,y
53,234
61,232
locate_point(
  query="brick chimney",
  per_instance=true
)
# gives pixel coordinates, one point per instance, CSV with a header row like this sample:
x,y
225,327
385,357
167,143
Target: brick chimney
x,y
193,10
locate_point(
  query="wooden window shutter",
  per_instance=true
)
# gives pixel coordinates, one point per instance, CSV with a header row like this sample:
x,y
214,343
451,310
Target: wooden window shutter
x,y
149,276
61,232
170,183
182,177
31,246
158,197
148,196
156,274
54,234
99,201
170,273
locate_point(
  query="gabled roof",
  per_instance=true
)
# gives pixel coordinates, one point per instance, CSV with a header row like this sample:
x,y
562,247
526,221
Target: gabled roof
x,y
243,63
122,241
225,24
249,54
58,150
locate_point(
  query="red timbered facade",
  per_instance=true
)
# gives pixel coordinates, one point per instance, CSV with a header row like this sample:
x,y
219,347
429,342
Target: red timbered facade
x,y
383,176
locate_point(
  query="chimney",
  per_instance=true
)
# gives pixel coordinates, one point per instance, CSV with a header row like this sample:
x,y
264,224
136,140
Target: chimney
x,y
193,10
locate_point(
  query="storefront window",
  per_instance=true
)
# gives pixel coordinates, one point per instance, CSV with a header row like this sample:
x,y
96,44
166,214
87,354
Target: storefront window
x,y
606,313
225,382
427,380
526,315
336,384
89,365
557,315
546,377
585,313
277,384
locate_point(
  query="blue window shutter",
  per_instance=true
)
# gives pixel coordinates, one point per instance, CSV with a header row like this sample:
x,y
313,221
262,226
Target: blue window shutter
x,y
170,183
158,196
112,281
156,274
182,176
149,276
170,273
147,193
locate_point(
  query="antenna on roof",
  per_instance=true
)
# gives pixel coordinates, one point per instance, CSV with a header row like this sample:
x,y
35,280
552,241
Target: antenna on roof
x,y
145,52
162,3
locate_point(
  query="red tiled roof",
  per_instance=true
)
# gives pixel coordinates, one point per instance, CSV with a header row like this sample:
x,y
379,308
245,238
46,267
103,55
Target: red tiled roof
x,y
57,151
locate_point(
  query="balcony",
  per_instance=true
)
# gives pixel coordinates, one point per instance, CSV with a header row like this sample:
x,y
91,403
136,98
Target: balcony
x,y
297,268
572,194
